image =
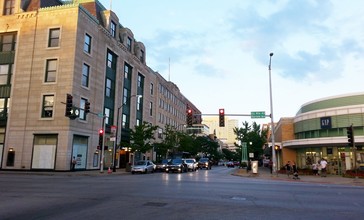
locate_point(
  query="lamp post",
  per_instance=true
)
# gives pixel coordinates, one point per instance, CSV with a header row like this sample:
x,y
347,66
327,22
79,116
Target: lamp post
x,y
274,158
117,129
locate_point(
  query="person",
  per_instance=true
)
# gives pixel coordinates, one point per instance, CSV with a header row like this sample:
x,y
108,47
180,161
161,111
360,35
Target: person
x,y
315,168
73,163
295,171
270,166
323,164
288,168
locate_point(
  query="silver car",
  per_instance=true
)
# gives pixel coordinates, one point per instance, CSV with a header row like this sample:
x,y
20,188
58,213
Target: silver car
x,y
143,166
191,164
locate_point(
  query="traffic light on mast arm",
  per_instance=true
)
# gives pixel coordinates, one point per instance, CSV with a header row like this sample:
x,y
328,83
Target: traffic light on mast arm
x,y
69,105
222,117
101,138
189,117
87,107
350,132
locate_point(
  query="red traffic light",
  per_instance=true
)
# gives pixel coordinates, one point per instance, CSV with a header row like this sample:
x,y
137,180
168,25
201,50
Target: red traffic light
x,y
101,131
221,117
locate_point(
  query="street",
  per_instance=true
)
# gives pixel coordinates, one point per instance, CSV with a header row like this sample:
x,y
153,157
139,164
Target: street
x,y
205,194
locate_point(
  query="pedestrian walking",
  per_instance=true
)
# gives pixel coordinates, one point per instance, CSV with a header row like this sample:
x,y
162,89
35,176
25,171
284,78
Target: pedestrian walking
x,y
295,171
323,164
288,168
73,163
315,167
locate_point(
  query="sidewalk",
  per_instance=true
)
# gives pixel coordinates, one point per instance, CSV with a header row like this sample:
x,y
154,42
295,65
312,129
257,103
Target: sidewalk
x,y
97,172
264,173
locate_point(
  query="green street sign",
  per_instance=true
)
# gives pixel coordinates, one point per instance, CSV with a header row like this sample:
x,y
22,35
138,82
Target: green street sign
x,y
257,114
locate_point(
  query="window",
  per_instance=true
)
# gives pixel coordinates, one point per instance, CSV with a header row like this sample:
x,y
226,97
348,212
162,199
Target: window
x,y
127,71
87,44
47,108
140,80
82,107
108,88
113,29
151,89
85,75
107,114
9,6
125,96
128,44
111,61
7,42
139,102
4,71
142,56
151,108
51,70
53,40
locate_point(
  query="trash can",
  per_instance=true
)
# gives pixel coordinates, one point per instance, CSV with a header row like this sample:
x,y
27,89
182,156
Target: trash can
x,y
255,166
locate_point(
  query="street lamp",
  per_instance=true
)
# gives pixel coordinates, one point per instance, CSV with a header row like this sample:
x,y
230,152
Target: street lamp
x,y
117,129
274,158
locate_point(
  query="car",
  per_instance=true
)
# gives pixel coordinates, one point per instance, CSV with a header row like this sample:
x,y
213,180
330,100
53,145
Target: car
x,y
230,164
204,163
191,164
176,165
143,166
162,165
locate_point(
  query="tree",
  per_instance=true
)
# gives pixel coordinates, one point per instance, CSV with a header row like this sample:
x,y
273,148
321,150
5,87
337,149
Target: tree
x,y
253,136
141,138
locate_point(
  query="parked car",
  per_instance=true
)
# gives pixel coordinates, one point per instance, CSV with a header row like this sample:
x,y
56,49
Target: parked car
x,y
204,163
191,164
176,165
162,165
143,166
230,164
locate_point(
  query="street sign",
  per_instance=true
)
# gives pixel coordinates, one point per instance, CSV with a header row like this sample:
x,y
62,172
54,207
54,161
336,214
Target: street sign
x,y
257,114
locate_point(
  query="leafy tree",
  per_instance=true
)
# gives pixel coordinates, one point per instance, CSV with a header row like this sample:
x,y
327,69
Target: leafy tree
x,y
141,138
187,144
253,136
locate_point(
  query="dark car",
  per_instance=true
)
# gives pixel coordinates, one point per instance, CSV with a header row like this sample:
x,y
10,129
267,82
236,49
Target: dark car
x,y
162,165
204,163
230,164
176,165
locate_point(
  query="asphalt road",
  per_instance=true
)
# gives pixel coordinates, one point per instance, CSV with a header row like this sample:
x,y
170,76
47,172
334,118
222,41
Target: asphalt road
x,y
205,194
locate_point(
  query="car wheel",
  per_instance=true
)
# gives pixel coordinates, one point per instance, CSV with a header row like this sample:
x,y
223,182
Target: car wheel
x,y
132,172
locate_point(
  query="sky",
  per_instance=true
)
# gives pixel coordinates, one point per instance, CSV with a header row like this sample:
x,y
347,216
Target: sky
x,y
218,52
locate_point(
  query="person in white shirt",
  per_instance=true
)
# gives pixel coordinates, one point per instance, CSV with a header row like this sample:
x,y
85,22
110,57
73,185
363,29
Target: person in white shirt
x,y
323,164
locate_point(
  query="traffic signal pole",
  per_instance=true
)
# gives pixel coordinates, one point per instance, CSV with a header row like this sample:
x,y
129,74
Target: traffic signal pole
x,y
102,147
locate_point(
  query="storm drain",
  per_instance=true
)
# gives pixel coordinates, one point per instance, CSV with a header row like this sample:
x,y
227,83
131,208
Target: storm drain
x,y
155,204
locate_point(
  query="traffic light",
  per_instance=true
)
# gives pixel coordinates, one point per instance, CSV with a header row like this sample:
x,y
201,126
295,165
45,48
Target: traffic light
x,y
101,138
221,117
69,105
349,131
189,117
87,107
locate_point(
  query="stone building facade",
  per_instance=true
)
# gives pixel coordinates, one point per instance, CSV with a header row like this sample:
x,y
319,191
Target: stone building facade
x,y
51,48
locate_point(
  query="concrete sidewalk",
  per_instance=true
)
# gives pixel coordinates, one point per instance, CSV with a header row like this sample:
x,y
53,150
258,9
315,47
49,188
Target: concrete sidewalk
x,y
264,173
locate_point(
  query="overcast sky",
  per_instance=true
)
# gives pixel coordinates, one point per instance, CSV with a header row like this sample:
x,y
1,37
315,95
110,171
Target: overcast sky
x,y
219,50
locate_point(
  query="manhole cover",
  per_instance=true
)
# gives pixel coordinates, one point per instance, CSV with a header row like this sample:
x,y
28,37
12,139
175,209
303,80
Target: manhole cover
x,y
155,204
238,198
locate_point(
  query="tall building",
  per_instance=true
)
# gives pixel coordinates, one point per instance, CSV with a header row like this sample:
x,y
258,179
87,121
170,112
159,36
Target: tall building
x,y
51,50
225,134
